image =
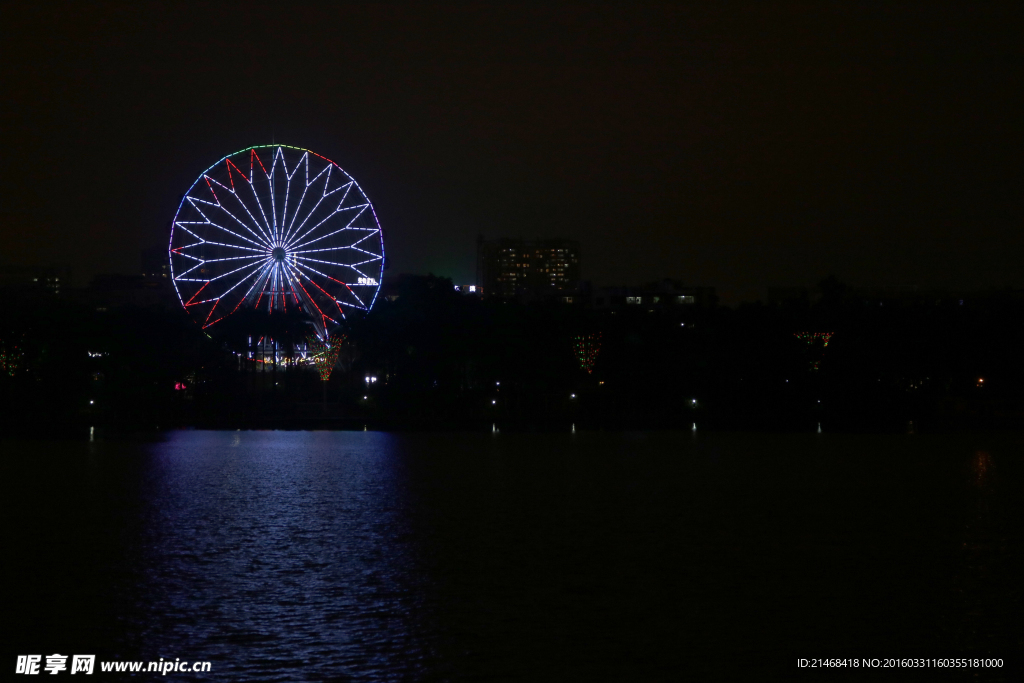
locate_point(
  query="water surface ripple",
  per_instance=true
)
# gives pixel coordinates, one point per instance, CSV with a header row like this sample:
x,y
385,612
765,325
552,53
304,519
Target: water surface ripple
x,y
316,556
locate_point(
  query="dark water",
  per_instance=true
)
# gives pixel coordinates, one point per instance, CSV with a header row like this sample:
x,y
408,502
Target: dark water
x,y
315,556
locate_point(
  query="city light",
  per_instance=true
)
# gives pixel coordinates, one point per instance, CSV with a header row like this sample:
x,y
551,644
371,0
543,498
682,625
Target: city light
x,y
587,347
811,337
325,353
11,358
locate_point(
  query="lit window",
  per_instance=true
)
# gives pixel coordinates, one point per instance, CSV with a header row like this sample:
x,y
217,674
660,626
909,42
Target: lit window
x,y
684,299
634,299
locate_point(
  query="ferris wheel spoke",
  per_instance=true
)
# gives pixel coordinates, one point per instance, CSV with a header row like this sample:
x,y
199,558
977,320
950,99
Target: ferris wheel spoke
x,y
295,215
305,189
273,193
318,251
181,277
262,280
262,236
309,183
348,246
202,201
287,191
373,256
264,247
235,246
287,196
330,296
345,284
189,302
229,190
302,267
363,263
224,275
253,155
235,258
256,196
305,220
345,187
221,227
180,224
371,232
234,193
255,271
329,263
203,301
177,250
190,256
259,276
207,323
323,316
323,237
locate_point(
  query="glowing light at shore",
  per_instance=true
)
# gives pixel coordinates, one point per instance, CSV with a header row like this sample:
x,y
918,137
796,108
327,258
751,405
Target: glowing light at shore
x,y
587,347
324,353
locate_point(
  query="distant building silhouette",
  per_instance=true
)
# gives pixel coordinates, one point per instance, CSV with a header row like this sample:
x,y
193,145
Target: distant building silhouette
x,y
527,269
51,279
156,265
661,295
114,290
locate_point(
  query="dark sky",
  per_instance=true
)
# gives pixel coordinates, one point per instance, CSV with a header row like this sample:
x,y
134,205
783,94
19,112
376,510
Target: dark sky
x,y
739,146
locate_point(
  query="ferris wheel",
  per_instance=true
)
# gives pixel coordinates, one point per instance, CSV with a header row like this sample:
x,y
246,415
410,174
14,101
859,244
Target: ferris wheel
x,y
274,228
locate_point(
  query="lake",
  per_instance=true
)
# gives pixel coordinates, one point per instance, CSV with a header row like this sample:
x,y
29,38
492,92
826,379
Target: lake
x,y
316,556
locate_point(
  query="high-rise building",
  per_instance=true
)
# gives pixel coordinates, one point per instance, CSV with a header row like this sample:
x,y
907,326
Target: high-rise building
x,y
527,269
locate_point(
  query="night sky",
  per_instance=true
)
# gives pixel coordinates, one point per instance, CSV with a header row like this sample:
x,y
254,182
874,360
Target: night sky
x,y
736,146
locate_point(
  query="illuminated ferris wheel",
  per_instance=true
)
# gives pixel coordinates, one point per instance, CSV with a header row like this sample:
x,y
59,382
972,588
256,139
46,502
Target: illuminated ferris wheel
x,y
274,228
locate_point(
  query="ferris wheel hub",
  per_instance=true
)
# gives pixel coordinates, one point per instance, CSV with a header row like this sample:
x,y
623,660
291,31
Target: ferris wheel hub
x,y
278,253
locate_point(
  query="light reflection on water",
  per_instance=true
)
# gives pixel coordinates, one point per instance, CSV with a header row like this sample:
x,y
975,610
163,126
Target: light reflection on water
x,y
292,547
369,556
